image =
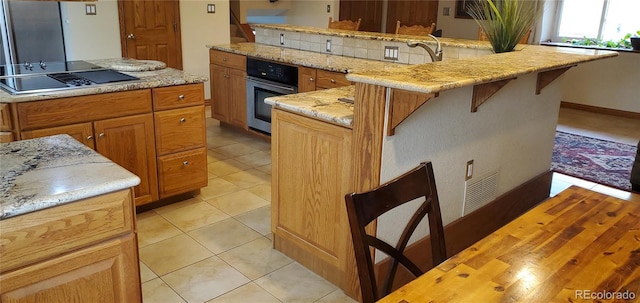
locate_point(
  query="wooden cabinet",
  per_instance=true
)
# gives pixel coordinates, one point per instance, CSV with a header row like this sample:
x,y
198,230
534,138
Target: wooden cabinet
x,y
85,251
129,142
6,123
180,139
228,88
310,79
131,128
309,220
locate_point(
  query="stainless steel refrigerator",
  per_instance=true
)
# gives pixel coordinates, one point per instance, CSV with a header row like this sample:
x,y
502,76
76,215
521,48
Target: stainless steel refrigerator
x,y
31,31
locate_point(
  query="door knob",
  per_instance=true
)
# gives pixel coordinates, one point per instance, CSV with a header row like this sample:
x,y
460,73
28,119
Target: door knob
x,y
101,135
183,120
89,138
131,36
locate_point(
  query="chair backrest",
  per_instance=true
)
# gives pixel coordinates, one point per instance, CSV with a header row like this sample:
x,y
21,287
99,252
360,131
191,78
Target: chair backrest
x,y
363,208
483,37
416,30
345,24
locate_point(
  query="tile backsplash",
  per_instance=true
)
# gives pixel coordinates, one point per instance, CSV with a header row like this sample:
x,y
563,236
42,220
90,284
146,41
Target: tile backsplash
x,y
364,48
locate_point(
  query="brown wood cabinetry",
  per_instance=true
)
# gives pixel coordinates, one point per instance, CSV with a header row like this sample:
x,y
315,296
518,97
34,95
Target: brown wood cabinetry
x,y
310,79
228,88
85,251
180,139
121,127
309,219
6,123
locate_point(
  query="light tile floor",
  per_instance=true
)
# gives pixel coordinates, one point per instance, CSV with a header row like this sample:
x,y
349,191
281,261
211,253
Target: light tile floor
x,y
216,247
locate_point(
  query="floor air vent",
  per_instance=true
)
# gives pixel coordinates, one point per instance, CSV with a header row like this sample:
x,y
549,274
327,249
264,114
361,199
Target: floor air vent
x,y
479,191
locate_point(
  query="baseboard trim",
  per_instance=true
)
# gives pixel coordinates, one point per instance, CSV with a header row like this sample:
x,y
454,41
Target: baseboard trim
x,y
600,110
469,229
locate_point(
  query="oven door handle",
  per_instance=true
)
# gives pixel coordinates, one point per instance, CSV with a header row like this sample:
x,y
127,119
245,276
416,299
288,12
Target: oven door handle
x,y
267,85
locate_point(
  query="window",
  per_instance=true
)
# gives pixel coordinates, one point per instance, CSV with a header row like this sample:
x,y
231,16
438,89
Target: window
x,y
601,19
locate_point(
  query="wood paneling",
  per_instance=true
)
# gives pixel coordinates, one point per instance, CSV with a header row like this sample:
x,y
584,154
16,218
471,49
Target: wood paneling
x,y
411,12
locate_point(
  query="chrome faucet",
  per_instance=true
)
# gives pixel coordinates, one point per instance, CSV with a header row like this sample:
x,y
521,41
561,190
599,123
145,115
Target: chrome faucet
x,y
435,55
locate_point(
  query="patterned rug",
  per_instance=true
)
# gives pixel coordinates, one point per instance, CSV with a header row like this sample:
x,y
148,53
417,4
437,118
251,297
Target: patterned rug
x,y
596,160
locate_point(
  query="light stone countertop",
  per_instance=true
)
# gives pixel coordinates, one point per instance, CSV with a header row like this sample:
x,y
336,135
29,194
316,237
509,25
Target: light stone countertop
x,y
320,104
151,78
304,58
51,171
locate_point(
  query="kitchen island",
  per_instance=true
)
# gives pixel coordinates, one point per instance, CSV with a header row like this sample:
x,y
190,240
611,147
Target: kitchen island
x,y
67,224
153,126
496,111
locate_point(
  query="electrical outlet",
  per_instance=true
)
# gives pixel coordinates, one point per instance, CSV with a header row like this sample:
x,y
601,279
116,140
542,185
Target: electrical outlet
x,y
445,11
281,39
329,46
391,52
211,8
328,8
469,173
90,9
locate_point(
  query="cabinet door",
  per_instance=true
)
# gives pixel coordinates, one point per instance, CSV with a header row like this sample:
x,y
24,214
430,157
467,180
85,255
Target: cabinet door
x,y
129,142
306,79
219,92
311,173
107,272
82,132
238,89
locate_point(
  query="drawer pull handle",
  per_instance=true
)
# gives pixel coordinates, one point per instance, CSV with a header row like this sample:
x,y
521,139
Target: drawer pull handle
x,y
181,97
311,79
224,59
333,81
101,135
89,138
185,163
183,120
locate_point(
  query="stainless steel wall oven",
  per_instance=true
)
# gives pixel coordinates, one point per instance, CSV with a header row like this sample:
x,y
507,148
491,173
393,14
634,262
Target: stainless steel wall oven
x,y
267,79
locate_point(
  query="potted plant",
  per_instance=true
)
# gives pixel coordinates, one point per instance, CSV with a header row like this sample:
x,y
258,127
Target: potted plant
x,y
635,41
504,22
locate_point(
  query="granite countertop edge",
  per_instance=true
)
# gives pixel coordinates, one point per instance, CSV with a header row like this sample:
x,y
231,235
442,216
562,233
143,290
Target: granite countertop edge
x,y
51,171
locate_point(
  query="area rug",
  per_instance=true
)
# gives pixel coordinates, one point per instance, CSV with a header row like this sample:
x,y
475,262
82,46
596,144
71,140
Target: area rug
x,y
592,159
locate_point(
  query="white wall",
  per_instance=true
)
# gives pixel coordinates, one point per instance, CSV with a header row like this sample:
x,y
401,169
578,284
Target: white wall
x,y
89,37
611,83
512,133
312,12
98,36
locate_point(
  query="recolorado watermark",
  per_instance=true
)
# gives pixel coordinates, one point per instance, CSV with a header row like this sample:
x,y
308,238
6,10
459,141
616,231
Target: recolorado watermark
x,y
586,294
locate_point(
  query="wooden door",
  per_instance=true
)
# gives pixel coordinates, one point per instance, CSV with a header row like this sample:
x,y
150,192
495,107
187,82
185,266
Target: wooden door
x,y
150,29
306,79
82,132
219,92
129,142
238,89
370,11
411,12
107,272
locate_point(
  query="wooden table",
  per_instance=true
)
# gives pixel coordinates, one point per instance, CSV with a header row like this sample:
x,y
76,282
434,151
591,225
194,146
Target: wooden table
x,y
576,247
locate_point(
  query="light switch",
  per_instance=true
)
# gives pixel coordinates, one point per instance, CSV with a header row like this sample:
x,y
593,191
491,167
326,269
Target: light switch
x,y
445,11
328,8
211,8
90,9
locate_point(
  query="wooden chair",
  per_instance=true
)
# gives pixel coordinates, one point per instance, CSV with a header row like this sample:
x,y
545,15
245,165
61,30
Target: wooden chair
x,y
483,37
345,24
416,30
363,208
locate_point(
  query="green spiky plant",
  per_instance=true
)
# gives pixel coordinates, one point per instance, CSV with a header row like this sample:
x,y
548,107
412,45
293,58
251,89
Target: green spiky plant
x,y
504,22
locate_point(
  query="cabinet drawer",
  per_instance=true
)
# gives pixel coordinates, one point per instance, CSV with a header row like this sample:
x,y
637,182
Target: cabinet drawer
x,y
178,96
40,235
228,59
182,172
328,79
180,129
82,132
63,111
